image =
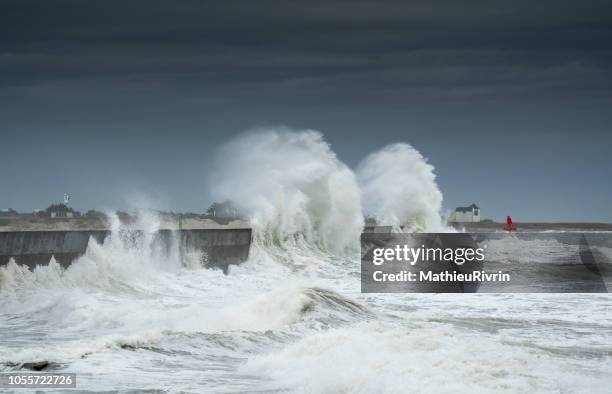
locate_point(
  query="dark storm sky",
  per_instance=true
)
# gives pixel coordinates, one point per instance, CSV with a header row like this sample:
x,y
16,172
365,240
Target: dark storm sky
x,y
122,102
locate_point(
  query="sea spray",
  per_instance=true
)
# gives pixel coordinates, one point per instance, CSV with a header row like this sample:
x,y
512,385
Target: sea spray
x,y
131,254
296,192
293,188
399,189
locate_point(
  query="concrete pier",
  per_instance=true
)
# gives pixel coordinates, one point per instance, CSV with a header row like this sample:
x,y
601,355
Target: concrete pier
x,y
221,247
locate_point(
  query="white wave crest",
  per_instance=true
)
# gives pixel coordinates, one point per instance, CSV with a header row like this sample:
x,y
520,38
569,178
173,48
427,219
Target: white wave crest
x,y
399,189
292,186
131,255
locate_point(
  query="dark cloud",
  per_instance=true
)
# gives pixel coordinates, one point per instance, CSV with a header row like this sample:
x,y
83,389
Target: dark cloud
x,y
406,46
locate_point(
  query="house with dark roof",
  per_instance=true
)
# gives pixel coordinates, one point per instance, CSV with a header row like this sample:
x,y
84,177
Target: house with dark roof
x,y
467,214
56,211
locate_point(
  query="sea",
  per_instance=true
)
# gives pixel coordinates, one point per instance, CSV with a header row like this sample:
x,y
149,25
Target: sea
x,y
127,319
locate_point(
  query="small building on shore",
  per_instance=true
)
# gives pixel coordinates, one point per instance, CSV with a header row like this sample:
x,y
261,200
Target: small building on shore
x,y
61,211
226,209
7,212
469,214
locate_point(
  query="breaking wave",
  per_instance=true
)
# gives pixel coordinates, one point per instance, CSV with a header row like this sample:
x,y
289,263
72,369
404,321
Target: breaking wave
x,y
399,189
130,256
295,190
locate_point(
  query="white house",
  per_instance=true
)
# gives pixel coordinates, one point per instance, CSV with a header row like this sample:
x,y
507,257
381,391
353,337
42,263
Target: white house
x,y
465,214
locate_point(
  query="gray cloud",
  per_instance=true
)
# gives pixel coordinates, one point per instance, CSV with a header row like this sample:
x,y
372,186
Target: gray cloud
x,y
392,44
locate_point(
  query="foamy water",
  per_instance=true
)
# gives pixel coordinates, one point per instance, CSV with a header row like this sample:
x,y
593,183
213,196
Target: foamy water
x,y
267,326
127,317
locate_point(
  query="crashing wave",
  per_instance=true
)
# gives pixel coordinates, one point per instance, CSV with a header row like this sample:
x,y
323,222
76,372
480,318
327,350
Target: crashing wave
x,y
399,189
293,188
296,192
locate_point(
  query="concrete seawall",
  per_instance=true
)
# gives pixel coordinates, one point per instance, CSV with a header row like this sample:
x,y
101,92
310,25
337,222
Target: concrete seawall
x,y
221,247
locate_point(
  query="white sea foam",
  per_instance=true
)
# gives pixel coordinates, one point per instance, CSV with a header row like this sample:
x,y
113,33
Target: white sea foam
x,y
375,358
399,189
514,249
292,186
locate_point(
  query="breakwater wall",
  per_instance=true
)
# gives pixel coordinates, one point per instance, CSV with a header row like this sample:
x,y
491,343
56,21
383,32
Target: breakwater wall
x,y
221,247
